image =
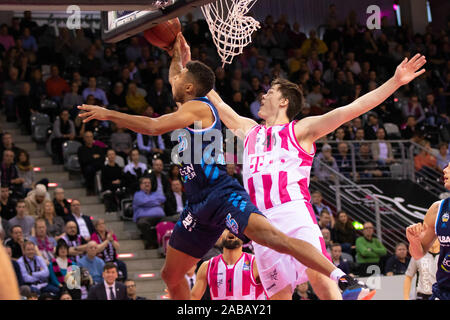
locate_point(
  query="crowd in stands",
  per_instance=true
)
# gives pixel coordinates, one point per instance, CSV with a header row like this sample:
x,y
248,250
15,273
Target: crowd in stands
x,y
43,72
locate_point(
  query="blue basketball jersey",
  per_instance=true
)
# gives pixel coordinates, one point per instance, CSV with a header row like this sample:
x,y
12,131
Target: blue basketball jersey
x,y
205,165
443,233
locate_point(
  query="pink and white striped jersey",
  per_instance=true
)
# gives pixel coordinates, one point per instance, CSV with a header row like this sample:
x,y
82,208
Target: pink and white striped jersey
x,y
275,168
233,282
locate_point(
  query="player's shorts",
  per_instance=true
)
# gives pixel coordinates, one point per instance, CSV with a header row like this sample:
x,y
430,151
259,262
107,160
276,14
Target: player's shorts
x,y
440,293
276,270
201,224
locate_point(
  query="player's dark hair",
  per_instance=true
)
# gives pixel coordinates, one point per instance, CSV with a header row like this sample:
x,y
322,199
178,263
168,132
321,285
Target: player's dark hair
x,y
293,93
203,76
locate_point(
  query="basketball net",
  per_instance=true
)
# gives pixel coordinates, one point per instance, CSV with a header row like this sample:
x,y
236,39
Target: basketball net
x,y
230,27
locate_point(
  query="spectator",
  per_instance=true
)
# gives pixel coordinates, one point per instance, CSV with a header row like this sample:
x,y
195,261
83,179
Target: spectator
x,y
344,233
98,93
109,289
45,244
63,130
150,146
65,295
425,161
133,171
16,241
7,205
108,245
93,263
121,142
26,105
426,268
56,86
8,144
410,129
117,98
344,161
338,260
174,173
320,171
91,158
28,41
443,157
84,223
414,108
159,97
91,65
148,211
35,271
21,219
304,292
133,50
135,100
6,40
369,249
325,220
317,203
398,263
9,174
62,206
176,199
382,149
371,127
25,170
35,200
54,223
131,290
76,243
59,266
365,164
11,89
159,180
73,98
112,179
313,42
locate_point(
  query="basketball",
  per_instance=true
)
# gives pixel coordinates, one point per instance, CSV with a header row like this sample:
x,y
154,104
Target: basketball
x,y
164,34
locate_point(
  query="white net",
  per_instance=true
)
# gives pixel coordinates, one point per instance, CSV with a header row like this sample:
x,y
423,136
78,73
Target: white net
x,y
230,27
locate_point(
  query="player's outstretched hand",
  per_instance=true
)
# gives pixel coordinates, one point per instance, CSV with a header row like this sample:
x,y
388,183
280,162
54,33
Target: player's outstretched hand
x,y
415,232
93,112
181,49
408,70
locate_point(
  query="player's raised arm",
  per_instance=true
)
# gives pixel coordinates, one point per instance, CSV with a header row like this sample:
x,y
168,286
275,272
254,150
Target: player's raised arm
x,y
422,235
313,128
232,120
201,282
185,116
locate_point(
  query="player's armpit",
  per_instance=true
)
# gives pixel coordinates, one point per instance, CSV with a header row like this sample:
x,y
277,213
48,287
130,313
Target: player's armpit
x,y
429,231
201,282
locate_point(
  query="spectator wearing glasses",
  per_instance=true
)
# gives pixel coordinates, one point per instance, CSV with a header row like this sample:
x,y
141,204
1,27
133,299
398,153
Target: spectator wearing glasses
x,y
62,206
84,222
131,290
369,249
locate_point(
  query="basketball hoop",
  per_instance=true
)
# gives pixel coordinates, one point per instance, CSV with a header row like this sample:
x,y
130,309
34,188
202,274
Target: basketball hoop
x,y
230,27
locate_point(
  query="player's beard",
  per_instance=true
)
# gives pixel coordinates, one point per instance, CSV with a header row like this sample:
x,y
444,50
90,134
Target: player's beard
x,y
231,244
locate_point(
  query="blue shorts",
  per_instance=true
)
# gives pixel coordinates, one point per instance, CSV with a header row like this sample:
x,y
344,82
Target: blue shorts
x,y
201,224
440,293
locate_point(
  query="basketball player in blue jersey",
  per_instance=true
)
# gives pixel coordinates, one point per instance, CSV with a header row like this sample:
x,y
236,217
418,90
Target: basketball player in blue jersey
x,y
215,200
422,235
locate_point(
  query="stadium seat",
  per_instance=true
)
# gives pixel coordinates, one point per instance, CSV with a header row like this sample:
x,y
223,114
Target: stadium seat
x,y
392,131
40,126
70,155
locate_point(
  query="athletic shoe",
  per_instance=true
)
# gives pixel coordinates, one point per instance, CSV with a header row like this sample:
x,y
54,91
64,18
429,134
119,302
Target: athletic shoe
x,y
353,289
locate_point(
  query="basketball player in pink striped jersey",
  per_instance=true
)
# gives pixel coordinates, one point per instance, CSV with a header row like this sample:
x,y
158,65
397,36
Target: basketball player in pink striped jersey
x,y
276,169
231,276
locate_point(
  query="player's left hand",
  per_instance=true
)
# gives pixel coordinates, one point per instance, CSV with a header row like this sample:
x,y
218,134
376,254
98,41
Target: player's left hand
x,y
408,69
93,112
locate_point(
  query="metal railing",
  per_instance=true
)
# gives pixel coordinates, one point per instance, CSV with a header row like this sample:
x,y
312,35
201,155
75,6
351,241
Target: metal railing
x,y
363,205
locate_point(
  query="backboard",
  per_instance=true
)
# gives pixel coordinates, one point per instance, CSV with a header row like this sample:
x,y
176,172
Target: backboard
x,y
119,25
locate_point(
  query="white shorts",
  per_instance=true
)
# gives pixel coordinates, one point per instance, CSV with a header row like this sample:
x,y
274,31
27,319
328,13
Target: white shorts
x,y
276,270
